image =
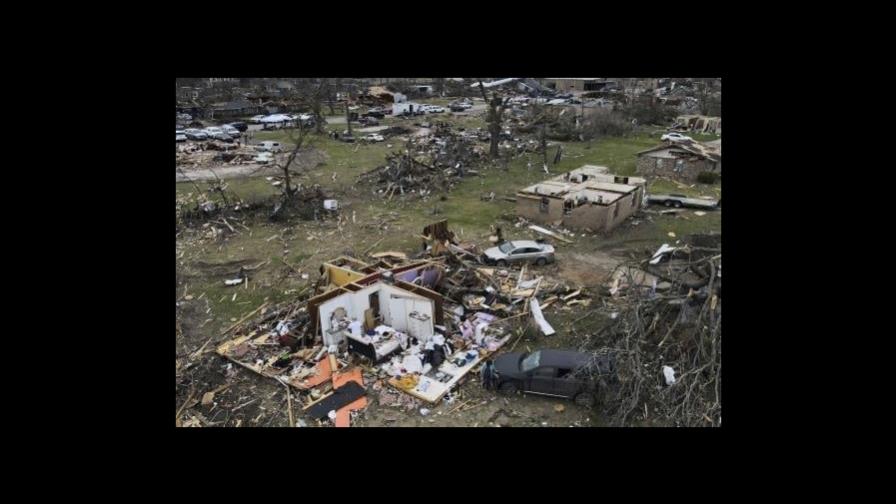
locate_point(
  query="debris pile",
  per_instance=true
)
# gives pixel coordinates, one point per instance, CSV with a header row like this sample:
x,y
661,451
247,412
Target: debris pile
x,y
311,342
196,155
428,164
664,337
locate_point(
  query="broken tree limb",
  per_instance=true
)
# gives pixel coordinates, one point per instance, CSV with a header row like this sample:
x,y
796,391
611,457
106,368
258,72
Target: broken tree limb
x,y
240,321
290,265
184,405
367,251
292,421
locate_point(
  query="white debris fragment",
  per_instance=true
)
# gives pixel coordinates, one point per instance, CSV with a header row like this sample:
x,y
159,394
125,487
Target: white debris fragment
x,y
658,255
539,317
235,281
669,374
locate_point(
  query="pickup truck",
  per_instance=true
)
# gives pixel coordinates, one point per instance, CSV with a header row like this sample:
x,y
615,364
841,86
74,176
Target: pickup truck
x,y
680,200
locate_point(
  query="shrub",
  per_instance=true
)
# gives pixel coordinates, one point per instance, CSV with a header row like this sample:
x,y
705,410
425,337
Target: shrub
x,y
707,177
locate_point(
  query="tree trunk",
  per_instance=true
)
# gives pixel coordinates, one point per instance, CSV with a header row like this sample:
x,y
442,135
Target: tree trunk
x,y
318,118
348,118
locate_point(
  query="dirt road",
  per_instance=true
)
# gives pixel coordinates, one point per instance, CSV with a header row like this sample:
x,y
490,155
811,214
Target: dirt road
x,y
226,172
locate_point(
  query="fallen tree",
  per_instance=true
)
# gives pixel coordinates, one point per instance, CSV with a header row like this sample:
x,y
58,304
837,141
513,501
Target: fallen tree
x,y
680,329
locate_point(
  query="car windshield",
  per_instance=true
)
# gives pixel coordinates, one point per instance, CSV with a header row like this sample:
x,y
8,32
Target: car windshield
x,y
505,247
531,361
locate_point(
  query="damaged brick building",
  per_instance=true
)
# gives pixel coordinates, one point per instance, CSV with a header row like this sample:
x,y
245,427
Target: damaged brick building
x,y
681,160
585,198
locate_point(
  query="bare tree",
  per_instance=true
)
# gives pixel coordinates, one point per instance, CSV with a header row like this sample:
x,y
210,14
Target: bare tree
x,y
298,137
496,108
348,116
439,85
331,93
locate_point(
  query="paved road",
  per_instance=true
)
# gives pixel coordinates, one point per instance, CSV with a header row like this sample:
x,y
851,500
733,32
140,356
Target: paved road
x,y
372,129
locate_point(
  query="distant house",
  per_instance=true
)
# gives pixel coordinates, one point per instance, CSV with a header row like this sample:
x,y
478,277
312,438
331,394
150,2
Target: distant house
x,y
681,160
219,81
187,93
235,108
569,84
586,198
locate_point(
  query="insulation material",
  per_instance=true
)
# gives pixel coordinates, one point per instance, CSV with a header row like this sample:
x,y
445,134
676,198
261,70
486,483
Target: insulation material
x,y
539,318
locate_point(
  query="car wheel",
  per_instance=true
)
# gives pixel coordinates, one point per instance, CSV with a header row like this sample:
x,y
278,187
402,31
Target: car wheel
x,y
677,204
501,262
668,203
508,387
541,261
585,399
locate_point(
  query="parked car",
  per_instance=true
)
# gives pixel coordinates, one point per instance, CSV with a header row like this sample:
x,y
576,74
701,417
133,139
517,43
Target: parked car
x,y
216,133
519,251
195,134
230,130
345,137
436,109
180,136
269,146
373,138
239,126
374,112
675,137
556,373
369,121
680,200
256,119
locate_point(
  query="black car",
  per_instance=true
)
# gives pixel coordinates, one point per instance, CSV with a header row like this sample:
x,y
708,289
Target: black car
x,y
240,126
557,373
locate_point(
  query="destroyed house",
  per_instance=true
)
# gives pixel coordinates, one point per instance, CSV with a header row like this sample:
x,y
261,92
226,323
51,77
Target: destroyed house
x,y
700,123
585,198
681,160
398,298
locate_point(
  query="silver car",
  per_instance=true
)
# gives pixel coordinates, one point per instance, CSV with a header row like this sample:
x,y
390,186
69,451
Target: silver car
x,y
519,251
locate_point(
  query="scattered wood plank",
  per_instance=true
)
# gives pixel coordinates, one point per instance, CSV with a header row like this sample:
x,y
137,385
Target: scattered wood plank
x,y
319,399
548,232
391,254
570,296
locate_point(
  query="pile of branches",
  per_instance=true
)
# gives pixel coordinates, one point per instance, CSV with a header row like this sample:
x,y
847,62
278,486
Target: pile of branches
x,y
426,166
213,206
394,131
680,328
305,203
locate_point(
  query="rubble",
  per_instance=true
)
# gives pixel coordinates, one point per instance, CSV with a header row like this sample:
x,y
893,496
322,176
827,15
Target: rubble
x,y
427,165
473,310
657,333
